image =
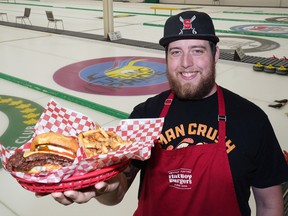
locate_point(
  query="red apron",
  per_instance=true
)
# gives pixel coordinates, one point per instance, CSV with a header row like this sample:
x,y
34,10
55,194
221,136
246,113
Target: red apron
x,y
195,180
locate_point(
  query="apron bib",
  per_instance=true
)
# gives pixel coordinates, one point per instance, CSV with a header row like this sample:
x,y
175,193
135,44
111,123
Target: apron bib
x,y
195,180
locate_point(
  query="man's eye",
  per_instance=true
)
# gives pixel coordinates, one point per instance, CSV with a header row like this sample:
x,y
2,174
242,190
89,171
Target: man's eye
x,y
198,52
175,52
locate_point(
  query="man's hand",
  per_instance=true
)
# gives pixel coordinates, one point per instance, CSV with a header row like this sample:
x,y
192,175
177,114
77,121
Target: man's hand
x,y
69,197
109,192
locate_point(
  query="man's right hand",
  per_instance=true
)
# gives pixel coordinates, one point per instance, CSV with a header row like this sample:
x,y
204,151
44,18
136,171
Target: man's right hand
x,y
109,192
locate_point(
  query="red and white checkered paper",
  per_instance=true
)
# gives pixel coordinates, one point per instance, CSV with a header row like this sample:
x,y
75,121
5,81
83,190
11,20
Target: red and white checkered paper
x,y
68,122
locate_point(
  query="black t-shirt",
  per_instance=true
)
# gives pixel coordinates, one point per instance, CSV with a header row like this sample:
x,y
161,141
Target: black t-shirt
x,y
255,156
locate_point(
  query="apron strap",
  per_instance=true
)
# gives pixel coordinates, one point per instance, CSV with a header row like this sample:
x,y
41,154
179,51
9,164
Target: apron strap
x,y
221,116
167,104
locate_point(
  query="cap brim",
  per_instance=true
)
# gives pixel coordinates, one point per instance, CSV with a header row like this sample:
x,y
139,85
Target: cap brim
x,y
166,40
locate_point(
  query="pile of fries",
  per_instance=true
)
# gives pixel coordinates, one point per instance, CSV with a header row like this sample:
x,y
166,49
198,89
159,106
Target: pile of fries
x,y
100,141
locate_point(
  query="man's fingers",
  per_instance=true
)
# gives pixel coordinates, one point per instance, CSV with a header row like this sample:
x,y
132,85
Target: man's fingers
x,y
61,198
80,196
101,188
84,195
38,195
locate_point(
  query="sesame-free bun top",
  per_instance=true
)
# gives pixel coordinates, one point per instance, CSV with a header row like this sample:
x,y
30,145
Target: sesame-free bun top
x,y
56,139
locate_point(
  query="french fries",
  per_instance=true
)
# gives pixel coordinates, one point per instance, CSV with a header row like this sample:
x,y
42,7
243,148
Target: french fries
x,y
100,141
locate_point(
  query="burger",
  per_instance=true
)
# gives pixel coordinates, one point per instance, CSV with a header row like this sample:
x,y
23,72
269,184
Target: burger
x,y
48,151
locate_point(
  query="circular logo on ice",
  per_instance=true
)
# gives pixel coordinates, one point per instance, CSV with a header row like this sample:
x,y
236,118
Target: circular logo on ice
x,y
127,75
18,118
281,19
267,28
229,43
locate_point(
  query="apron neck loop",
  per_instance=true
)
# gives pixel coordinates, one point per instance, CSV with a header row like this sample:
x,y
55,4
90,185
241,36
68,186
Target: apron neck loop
x,y
221,113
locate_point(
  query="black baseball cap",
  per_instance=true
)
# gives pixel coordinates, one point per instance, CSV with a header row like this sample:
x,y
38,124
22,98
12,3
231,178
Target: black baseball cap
x,y
188,25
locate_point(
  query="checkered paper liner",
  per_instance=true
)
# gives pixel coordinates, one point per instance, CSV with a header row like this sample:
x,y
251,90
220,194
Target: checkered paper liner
x,y
68,122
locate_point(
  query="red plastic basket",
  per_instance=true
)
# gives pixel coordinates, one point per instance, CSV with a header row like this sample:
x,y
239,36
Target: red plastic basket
x,y
75,182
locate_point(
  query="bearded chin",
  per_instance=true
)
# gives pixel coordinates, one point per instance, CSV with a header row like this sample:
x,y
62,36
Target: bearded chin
x,y
193,92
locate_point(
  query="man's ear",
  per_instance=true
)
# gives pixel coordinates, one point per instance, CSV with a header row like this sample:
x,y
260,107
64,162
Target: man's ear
x,y
217,54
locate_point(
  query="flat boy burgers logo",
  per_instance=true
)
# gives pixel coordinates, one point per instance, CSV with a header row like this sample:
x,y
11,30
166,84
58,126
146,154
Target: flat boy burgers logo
x,y
127,76
180,178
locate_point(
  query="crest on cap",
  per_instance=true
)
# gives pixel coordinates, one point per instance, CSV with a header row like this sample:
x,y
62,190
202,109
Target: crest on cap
x,y
187,25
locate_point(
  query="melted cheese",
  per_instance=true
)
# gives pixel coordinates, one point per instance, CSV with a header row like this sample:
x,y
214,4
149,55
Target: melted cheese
x,y
50,149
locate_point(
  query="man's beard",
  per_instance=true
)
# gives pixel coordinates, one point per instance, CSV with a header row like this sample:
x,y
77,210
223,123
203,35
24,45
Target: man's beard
x,y
191,92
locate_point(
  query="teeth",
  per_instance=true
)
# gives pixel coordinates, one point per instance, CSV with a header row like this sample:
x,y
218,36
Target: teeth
x,y
187,74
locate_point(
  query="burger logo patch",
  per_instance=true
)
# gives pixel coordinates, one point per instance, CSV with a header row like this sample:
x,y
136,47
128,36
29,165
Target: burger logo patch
x,y
180,178
187,25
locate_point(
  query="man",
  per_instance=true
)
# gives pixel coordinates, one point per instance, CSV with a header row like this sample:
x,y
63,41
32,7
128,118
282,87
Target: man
x,y
214,146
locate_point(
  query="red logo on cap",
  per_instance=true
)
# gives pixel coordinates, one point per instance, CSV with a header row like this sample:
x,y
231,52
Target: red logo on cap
x,y
187,25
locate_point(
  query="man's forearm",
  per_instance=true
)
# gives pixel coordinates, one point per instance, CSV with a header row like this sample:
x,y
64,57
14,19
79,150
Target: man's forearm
x,y
269,201
269,212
